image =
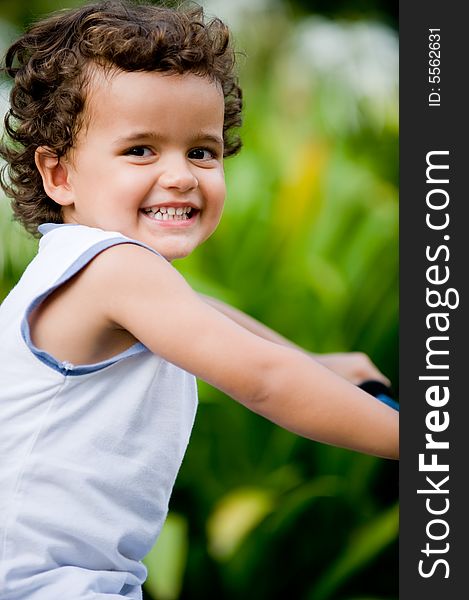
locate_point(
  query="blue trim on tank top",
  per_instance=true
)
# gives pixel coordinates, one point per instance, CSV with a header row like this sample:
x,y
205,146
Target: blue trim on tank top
x,y
65,367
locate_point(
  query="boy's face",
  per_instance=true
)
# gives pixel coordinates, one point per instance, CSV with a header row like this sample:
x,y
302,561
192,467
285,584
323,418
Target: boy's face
x,y
148,161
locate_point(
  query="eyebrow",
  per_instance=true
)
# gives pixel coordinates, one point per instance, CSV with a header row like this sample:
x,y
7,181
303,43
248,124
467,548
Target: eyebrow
x,y
201,136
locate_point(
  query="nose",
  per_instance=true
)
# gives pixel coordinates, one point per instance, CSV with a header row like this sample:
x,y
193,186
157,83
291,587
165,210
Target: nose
x,y
176,174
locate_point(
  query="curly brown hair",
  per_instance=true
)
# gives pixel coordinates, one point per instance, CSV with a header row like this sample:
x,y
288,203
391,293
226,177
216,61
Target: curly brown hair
x,y
50,65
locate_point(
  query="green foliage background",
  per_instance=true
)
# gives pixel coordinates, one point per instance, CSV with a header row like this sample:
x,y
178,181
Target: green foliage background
x,y
308,245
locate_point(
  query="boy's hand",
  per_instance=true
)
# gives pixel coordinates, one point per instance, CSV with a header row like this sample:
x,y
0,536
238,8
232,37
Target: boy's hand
x,y
356,367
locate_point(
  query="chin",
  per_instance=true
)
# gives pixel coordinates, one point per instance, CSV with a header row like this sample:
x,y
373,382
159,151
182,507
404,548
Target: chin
x,y
174,253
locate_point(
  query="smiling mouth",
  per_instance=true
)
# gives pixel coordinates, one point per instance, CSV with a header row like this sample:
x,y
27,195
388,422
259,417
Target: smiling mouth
x,y
170,213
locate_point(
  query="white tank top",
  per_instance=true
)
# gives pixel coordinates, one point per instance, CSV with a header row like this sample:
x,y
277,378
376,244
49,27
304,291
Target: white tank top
x,y
89,453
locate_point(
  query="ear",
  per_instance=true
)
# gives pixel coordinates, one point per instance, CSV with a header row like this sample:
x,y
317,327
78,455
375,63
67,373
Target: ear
x,y
55,176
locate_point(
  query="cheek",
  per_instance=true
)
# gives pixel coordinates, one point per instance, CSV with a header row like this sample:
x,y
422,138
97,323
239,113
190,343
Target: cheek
x,y
126,185
89,175
216,189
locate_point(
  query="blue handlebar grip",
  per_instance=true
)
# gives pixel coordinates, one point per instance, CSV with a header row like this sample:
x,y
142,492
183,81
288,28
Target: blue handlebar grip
x,y
380,391
389,401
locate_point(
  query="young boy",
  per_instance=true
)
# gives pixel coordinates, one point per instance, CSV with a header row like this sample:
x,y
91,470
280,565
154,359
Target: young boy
x,y
121,117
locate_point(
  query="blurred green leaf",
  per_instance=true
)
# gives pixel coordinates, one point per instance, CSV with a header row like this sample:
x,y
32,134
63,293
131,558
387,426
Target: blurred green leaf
x,y
17,249
234,516
167,560
365,543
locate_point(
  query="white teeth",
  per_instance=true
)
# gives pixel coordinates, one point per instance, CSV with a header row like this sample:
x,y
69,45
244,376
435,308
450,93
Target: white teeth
x,y
169,213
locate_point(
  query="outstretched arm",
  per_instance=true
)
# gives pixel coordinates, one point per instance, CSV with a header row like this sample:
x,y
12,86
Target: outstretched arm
x,y
138,291
356,367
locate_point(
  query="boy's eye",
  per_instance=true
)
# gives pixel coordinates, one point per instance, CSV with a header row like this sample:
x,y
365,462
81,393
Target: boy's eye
x,y
201,154
141,151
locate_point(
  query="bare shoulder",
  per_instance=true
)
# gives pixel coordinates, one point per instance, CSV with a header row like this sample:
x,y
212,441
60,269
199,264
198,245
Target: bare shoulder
x,y
125,261
136,285
133,277
72,323
153,302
